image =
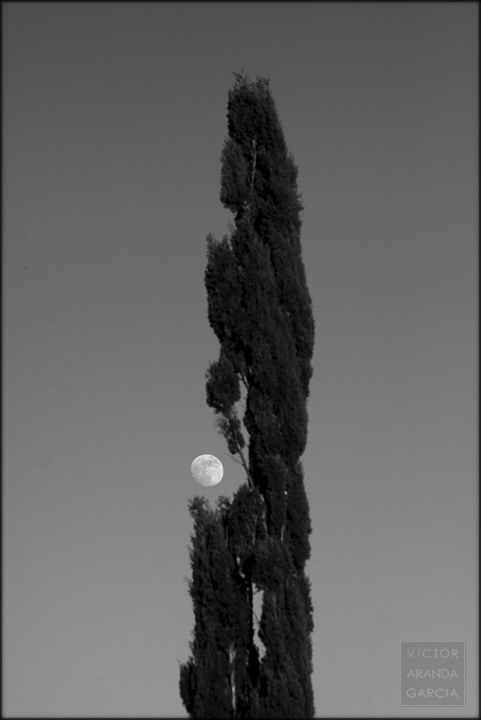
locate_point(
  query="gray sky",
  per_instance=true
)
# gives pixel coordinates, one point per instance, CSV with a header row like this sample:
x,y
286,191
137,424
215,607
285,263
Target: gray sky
x,y
113,123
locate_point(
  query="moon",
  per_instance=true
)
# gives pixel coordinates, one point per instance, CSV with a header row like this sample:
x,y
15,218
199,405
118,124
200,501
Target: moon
x,y
207,470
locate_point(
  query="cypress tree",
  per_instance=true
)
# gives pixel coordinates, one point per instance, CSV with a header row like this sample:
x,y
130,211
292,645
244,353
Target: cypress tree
x,y
260,309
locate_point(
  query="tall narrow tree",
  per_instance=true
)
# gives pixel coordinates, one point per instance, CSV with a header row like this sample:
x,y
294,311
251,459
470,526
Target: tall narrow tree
x,y
260,309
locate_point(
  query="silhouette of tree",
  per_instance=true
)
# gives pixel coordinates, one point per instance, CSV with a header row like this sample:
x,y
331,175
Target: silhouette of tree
x,y
260,309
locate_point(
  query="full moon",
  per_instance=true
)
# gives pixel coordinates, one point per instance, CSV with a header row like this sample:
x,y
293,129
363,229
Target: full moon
x,y
207,470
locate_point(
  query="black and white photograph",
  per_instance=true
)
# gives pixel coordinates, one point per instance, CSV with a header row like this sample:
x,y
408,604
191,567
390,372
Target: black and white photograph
x,y
240,359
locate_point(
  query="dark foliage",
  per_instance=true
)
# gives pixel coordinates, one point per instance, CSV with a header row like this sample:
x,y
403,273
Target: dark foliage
x,y
260,309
